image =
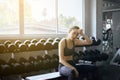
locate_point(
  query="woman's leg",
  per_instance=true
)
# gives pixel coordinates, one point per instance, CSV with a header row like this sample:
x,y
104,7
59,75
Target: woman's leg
x,y
68,72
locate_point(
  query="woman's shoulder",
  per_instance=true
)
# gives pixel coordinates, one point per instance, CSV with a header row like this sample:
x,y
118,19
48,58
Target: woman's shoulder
x,y
63,39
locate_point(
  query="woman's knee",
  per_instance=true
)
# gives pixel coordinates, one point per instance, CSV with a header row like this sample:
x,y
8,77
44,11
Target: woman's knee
x,y
67,71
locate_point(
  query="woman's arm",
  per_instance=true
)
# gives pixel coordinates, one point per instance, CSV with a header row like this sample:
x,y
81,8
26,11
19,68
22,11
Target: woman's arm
x,y
61,54
87,40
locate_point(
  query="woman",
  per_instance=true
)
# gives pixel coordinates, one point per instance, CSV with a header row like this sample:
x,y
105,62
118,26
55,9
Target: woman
x,y
67,66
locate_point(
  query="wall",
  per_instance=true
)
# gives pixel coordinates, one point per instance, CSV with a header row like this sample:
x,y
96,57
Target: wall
x,y
116,29
93,19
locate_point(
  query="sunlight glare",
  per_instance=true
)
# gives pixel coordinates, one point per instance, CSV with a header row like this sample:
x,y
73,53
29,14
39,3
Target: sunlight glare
x,y
42,9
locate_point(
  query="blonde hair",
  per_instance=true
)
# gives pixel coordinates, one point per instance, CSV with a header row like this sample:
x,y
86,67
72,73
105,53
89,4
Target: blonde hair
x,y
74,27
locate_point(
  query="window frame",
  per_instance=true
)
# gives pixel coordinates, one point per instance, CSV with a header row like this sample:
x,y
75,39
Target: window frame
x,y
21,34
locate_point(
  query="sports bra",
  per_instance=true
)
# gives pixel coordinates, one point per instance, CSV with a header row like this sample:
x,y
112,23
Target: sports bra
x,y
67,51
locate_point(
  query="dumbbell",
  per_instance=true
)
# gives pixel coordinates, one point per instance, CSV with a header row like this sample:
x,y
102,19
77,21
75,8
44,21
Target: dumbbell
x,y
22,47
27,42
6,43
34,41
39,46
11,61
76,57
5,70
40,64
2,62
47,61
27,66
55,45
98,55
55,61
88,56
95,55
2,48
49,40
0,71
17,42
105,36
32,61
81,55
16,67
31,47
42,40
47,45
11,48
98,42
22,62
95,42
57,39
104,56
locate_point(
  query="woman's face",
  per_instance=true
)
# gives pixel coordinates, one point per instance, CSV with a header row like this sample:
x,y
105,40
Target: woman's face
x,y
73,34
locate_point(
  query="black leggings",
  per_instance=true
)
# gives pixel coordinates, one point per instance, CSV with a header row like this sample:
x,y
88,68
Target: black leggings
x,y
82,69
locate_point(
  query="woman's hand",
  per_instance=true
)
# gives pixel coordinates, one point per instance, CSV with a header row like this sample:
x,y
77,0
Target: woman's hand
x,y
76,72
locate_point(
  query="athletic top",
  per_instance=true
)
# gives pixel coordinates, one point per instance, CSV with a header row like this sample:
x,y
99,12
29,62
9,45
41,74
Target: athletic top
x,y
67,51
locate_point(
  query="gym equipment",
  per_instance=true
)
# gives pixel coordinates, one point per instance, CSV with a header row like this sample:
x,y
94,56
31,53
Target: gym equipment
x,y
47,61
2,62
96,42
92,55
55,45
104,56
2,48
76,57
27,42
32,62
34,41
55,61
42,40
22,47
22,62
17,42
26,65
39,65
16,67
39,46
11,48
57,39
11,61
47,45
31,47
5,70
6,43
105,36
49,40
116,59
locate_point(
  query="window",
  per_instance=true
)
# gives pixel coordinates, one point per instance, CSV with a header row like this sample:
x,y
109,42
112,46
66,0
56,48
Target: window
x,y
9,17
69,14
39,16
